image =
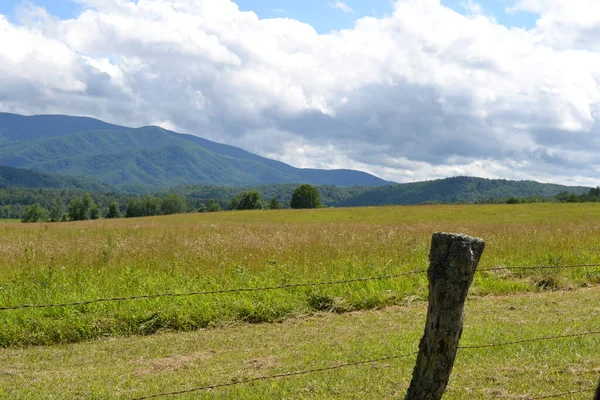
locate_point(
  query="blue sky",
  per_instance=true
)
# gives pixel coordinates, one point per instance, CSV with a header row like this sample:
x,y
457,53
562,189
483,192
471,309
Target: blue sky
x,y
389,101
319,13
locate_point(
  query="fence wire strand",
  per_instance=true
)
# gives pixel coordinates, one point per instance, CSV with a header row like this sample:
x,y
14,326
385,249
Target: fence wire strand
x,y
537,267
213,292
550,396
269,288
357,363
276,376
540,339
315,284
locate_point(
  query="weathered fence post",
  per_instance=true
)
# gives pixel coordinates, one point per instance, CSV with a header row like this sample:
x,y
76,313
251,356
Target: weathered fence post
x,y
597,395
453,260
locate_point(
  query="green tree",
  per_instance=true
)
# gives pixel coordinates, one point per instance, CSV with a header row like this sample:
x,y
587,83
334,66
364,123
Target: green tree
x,y
56,212
95,212
251,200
213,206
306,196
35,213
113,210
83,208
202,208
134,208
274,204
152,206
173,204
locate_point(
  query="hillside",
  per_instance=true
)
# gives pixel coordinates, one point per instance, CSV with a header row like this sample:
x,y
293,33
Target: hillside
x,y
147,158
449,190
23,178
460,189
331,196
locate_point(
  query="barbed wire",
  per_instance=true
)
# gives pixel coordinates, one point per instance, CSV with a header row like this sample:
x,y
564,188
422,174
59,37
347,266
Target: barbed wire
x,y
276,376
537,267
270,288
573,335
211,292
372,361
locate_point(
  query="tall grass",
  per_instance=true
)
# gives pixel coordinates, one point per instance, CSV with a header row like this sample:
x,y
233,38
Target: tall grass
x,y
67,262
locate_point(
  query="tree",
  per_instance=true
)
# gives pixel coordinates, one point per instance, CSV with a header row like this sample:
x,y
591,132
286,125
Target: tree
x,y
56,212
134,208
35,213
202,208
306,196
152,205
173,204
83,208
113,210
213,206
251,200
94,212
274,204
143,207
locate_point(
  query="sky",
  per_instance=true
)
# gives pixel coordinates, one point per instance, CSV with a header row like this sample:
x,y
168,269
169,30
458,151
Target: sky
x,y
407,90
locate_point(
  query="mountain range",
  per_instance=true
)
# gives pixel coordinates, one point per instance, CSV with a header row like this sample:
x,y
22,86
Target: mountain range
x,y
148,158
85,154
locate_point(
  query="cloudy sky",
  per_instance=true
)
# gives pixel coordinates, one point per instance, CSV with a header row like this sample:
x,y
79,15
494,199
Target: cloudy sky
x,y
408,89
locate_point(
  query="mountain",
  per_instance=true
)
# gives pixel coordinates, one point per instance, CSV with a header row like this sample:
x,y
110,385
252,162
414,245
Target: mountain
x,y
456,190
23,178
450,190
148,158
199,194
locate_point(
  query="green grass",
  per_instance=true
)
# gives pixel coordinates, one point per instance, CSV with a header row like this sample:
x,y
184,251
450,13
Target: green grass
x,y
131,367
68,262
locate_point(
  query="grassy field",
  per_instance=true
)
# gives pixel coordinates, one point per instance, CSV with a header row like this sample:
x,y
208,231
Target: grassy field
x,y
55,263
128,368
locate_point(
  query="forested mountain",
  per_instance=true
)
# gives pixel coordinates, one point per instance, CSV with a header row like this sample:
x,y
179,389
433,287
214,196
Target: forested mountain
x,y
146,159
24,178
462,189
13,200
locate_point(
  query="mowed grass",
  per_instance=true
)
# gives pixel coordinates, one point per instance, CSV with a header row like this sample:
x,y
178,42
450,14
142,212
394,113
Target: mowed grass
x,y
70,262
128,368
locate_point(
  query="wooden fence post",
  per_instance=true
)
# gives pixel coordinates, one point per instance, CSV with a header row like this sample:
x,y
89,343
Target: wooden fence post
x,y
453,259
597,395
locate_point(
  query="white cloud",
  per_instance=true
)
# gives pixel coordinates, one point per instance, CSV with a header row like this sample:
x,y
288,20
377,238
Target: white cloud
x,y
424,92
472,7
340,5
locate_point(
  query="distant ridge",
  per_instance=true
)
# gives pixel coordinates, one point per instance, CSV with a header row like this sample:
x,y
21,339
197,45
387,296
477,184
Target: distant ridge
x,y
148,158
23,178
458,189
449,190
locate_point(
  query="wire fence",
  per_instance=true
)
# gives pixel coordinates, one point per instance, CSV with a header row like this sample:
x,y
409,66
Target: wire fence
x,y
326,283
279,287
377,360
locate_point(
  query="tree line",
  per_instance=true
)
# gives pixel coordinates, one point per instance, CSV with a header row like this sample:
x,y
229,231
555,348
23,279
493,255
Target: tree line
x,y
85,208
74,205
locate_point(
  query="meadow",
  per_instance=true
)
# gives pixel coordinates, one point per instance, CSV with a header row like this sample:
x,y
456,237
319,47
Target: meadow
x,y
71,262
134,367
